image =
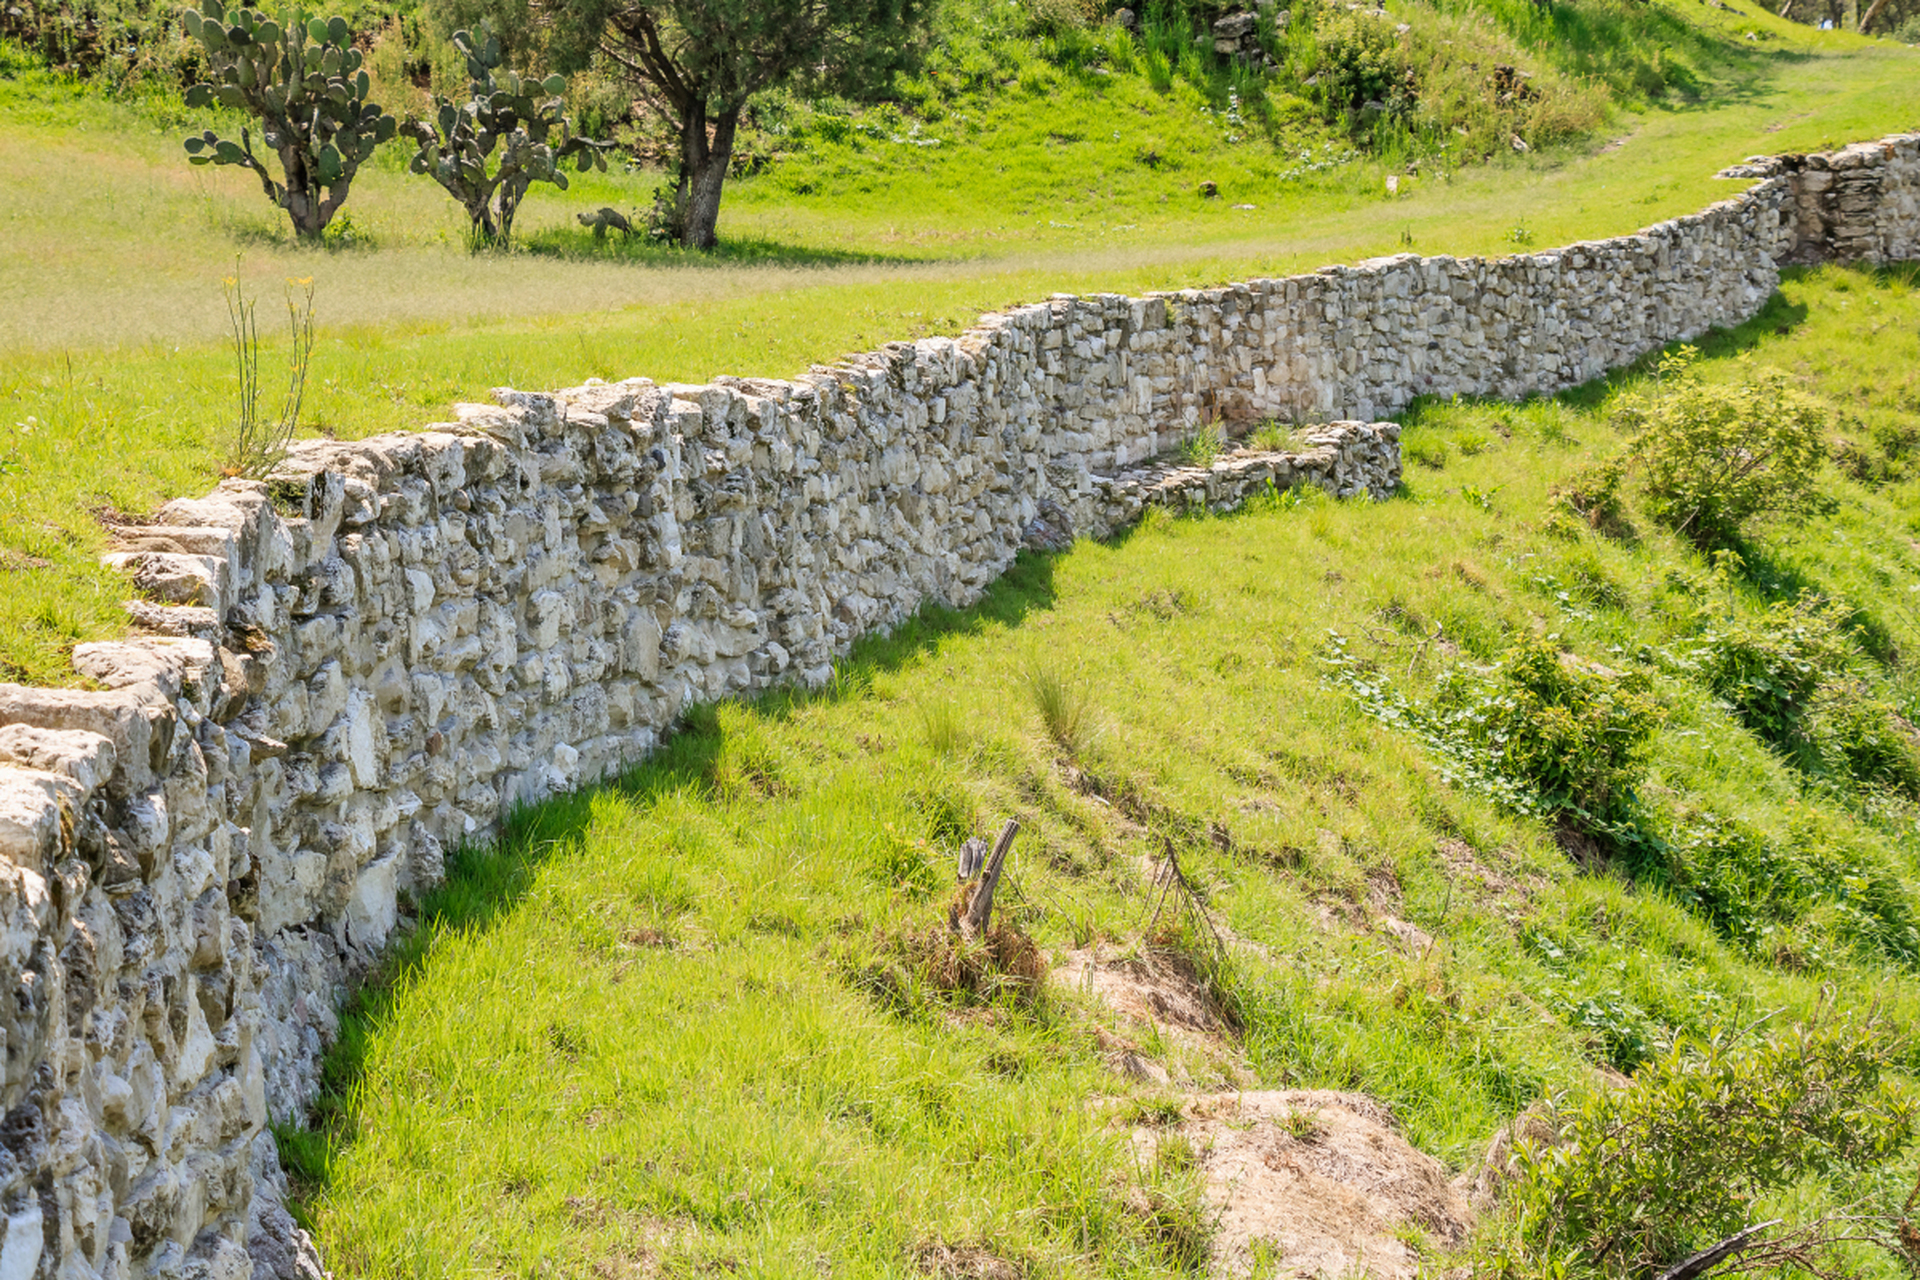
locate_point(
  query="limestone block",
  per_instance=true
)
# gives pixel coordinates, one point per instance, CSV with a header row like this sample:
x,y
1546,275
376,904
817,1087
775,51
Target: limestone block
x,y
372,909
36,817
171,578
80,754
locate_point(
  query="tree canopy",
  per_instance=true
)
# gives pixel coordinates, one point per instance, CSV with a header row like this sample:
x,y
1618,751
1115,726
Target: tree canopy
x,y
695,64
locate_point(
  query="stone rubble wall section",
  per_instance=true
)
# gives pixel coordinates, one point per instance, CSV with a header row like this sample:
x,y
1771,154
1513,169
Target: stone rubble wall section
x,y
354,668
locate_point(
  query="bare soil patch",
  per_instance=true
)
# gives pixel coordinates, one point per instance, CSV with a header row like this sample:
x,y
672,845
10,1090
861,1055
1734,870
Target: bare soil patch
x,y
1155,988
1315,1183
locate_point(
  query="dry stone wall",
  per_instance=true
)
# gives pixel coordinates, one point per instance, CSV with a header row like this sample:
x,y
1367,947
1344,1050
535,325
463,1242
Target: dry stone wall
x,y
347,672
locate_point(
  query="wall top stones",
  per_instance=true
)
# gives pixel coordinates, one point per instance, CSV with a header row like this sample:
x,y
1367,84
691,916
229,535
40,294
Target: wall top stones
x,y
346,671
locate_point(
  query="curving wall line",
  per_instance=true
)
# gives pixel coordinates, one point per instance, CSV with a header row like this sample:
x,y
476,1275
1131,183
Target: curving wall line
x,y
347,671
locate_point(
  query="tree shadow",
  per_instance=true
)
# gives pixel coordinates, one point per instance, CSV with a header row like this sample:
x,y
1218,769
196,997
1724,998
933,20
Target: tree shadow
x,y
580,245
485,883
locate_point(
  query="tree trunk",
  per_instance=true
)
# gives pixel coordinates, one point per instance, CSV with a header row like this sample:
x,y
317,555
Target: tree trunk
x,y
979,917
703,172
512,191
1872,13
302,200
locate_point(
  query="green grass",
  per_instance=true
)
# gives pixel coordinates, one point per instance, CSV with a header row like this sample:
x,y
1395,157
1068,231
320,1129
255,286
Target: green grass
x,y
644,1031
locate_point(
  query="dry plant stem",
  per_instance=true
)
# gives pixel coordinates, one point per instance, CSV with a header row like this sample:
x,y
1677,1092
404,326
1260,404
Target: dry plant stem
x,y
259,445
1170,879
980,907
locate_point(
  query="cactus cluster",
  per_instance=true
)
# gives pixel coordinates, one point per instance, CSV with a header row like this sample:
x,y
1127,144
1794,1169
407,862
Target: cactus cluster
x,y
302,81
521,118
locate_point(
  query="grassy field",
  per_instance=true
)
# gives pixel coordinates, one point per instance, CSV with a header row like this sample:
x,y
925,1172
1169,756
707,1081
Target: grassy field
x,y
116,389
664,1027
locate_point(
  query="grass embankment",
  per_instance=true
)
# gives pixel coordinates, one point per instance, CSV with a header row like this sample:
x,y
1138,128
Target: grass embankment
x,y
654,1028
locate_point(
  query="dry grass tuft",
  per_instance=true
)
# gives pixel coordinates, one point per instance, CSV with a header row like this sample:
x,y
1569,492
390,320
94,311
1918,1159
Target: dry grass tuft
x,y
934,965
964,1261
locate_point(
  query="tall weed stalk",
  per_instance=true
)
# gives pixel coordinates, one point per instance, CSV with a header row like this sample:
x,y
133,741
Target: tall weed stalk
x,y
260,443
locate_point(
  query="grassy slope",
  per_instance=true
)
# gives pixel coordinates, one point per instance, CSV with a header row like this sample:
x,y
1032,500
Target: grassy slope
x,y
547,1090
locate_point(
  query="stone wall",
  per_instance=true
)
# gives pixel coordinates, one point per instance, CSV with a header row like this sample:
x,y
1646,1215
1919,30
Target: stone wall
x,y
347,672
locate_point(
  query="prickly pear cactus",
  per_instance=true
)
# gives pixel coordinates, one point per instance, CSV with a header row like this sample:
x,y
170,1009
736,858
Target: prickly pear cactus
x,y
521,118
302,82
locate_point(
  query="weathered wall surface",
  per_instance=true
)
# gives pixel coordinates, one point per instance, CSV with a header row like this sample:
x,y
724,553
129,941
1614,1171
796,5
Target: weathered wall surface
x,y
350,671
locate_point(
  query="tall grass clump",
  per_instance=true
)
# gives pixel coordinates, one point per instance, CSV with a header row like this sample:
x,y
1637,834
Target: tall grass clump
x,y
1065,705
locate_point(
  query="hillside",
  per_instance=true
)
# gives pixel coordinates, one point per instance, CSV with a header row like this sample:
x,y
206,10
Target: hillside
x,y
701,1018
709,1015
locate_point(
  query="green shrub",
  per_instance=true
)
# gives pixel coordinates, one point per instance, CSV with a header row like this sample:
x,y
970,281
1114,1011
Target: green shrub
x,y
1618,1031
1713,457
1768,668
1573,733
1056,17
1856,734
1636,1178
1797,898
1361,61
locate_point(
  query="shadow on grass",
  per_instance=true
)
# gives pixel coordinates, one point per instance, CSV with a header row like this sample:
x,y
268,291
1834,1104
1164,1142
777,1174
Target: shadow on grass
x,y
485,883
579,245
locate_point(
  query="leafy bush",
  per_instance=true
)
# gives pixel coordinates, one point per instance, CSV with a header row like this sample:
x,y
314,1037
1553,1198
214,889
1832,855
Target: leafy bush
x,y
1362,61
1053,17
1540,732
1768,668
117,42
1617,1029
1636,1178
1714,457
1793,898
1856,734
1573,733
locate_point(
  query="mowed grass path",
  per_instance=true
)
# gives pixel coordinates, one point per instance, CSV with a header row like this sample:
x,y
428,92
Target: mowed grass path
x,y
116,389
644,1034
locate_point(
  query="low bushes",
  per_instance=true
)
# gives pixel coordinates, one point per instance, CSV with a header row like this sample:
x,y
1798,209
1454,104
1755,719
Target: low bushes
x,y
1634,1179
1768,668
1575,733
1541,731
1714,456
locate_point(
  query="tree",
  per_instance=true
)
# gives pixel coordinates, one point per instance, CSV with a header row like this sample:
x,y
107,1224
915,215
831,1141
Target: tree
x,y
302,81
696,63
456,148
